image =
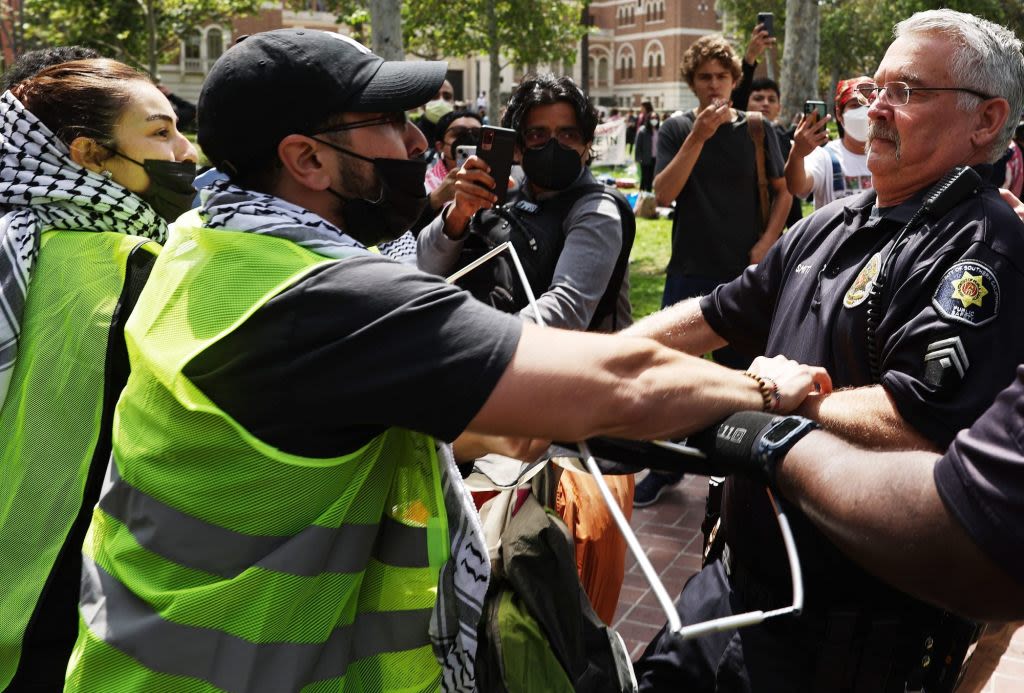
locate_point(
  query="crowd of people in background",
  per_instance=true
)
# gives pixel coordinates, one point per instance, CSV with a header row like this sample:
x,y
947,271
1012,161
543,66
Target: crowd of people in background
x,y
237,423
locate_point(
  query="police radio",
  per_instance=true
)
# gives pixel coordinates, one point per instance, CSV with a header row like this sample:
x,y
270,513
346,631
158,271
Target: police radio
x,y
960,183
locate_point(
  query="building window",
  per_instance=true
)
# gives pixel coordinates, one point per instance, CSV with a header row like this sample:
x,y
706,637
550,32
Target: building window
x,y
659,64
214,46
602,72
193,51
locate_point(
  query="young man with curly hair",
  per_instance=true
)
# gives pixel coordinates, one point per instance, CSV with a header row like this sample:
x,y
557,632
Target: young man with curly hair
x,y
706,164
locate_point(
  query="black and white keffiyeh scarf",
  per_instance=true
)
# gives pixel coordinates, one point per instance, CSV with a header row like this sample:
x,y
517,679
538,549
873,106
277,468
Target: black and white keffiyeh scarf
x,y
41,188
227,206
463,581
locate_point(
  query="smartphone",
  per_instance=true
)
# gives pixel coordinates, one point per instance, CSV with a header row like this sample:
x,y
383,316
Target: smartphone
x,y
768,19
463,152
815,107
497,146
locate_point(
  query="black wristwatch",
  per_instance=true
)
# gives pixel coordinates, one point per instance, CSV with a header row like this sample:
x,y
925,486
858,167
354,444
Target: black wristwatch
x,y
751,442
778,438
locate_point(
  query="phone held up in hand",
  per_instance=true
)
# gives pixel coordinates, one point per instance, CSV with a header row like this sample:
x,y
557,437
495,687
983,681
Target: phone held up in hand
x,y
463,152
768,20
496,148
815,107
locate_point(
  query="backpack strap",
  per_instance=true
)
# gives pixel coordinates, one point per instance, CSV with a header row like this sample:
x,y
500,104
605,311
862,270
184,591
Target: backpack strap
x,y
755,126
838,180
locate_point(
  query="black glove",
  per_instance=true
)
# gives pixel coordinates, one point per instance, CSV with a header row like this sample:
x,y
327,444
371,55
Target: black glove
x,y
751,442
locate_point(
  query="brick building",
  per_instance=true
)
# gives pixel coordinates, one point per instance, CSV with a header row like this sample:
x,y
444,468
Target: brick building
x,y
635,51
638,46
203,45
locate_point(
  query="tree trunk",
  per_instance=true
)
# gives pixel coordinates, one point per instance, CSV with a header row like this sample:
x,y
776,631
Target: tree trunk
x,y
151,43
494,60
585,51
386,29
800,56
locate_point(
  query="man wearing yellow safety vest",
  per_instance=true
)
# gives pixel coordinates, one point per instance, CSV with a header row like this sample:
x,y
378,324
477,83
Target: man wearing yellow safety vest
x,y
278,515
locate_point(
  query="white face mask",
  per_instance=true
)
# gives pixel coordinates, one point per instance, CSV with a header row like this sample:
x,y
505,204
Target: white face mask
x,y
855,122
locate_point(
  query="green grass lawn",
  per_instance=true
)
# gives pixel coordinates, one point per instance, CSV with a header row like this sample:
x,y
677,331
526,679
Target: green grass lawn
x,y
647,263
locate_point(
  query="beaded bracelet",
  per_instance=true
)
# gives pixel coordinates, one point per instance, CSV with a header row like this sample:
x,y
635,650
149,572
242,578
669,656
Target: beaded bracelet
x,y
769,392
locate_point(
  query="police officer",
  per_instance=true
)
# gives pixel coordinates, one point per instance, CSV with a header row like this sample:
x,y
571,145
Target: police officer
x,y
902,304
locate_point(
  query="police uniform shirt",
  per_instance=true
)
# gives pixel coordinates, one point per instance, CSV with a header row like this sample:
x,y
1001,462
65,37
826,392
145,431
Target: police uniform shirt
x,y
981,479
948,339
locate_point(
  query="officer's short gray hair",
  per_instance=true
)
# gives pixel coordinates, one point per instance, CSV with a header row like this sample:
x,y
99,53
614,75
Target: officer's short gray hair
x,y
987,57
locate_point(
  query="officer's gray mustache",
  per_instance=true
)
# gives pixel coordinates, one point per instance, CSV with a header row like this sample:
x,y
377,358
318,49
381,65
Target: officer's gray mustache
x,y
883,131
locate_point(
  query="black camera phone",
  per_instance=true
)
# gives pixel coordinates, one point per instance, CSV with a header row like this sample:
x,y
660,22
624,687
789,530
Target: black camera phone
x,y
497,146
768,20
815,107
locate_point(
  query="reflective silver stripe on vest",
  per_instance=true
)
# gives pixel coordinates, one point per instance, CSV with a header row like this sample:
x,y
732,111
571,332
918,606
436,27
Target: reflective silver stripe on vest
x,y
118,617
194,543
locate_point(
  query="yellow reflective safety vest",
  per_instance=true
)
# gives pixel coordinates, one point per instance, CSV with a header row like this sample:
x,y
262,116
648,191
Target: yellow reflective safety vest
x,y
217,562
55,430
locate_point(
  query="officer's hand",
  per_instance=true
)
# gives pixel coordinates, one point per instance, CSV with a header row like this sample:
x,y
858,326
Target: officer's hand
x,y
751,443
711,118
810,134
793,381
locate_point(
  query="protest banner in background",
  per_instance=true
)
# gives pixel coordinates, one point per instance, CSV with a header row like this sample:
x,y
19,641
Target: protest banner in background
x,y
610,143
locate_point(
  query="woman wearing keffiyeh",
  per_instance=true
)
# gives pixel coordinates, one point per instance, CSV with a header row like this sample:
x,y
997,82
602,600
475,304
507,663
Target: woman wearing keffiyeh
x,y
87,151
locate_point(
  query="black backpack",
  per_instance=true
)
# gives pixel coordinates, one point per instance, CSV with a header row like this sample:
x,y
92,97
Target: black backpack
x,y
536,233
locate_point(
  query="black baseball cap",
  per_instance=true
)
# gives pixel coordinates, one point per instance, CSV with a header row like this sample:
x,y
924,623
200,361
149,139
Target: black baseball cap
x,y
273,84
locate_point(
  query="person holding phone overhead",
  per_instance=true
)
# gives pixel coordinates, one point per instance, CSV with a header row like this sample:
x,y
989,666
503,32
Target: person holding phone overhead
x,y
839,168
761,39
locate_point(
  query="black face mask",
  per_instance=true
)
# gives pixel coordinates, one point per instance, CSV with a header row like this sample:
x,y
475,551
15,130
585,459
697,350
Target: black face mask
x,y
170,192
400,203
553,166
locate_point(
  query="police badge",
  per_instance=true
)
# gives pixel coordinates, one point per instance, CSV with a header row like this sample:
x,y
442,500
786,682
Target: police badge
x,y
861,287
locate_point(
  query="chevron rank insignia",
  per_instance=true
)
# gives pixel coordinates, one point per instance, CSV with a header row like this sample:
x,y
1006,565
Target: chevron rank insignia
x,y
969,293
945,363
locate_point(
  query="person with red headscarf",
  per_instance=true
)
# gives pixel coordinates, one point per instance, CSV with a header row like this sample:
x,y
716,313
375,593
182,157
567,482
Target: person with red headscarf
x,y
839,168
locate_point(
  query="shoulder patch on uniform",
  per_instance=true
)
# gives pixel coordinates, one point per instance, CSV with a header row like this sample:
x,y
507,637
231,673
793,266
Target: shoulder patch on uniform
x,y
861,287
969,293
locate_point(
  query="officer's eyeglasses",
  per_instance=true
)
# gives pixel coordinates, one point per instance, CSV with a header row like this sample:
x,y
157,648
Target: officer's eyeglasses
x,y
898,93
539,136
